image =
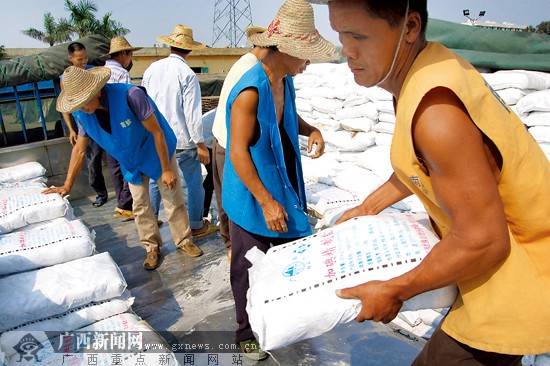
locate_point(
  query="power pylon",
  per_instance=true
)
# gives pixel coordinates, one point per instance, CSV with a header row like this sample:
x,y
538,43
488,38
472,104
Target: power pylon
x,y
231,17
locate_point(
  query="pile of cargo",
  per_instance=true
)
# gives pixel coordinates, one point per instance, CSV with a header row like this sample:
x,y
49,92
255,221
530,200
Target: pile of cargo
x,y
62,302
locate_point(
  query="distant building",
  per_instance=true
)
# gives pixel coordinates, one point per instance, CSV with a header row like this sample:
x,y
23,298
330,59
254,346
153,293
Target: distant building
x,y
499,26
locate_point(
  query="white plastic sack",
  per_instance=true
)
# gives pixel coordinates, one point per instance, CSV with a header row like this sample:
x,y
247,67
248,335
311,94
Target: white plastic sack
x,y
364,124
325,105
322,197
384,106
70,320
54,244
43,224
360,181
53,290
383,139
377,160
363,110
23,184
537,119
384,127
21,172
541,134
20,210
538,101
303,105
349,141
124,335
512,95
518,79
6,192
386,117
292,287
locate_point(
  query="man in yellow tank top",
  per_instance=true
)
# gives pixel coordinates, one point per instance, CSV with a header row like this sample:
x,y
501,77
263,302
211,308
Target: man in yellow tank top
x,y
481,177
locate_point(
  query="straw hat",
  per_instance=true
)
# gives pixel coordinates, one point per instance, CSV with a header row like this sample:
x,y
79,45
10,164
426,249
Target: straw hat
x,y
119,44
80,86
293,32
254,29
181,37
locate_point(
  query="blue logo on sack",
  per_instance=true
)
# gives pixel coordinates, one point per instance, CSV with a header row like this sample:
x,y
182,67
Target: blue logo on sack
x,y
294,269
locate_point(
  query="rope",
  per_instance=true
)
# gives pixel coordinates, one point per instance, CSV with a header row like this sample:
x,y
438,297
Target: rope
x,y
40,75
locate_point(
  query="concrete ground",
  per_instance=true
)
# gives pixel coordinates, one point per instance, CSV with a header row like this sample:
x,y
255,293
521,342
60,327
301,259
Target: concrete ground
x,y
189,302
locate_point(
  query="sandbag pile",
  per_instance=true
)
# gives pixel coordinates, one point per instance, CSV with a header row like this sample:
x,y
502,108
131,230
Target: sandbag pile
x,y
53,283
357,124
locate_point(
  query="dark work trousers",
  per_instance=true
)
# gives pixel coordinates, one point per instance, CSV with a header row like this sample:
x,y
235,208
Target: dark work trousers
x,y
218,161
94,156
208,185
242,241
441,349
122,190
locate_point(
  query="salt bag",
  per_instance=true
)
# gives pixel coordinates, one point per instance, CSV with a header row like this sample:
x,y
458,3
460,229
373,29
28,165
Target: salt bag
x,y
50,291
21,209
292,287
22,172
32,249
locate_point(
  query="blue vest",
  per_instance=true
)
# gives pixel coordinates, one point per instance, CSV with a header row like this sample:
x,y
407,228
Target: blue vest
x,y
267,155
129,142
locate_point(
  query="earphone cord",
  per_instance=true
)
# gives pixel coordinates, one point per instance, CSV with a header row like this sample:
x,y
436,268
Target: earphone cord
x,y
397,48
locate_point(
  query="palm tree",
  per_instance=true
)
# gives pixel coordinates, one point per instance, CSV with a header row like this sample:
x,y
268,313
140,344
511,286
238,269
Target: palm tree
x,y
54,32
82,17
81,22
110,28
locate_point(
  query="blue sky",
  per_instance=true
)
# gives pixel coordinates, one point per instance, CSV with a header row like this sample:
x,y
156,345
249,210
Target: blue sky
x,y
148,19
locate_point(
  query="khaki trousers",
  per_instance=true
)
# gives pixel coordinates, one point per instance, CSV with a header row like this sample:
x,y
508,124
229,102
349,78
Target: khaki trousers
x,y
174,206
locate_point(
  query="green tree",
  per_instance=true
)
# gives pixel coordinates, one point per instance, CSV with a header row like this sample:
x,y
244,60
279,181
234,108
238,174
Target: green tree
x,y
110,28
82,17
54,31
82,22
544,28
2,51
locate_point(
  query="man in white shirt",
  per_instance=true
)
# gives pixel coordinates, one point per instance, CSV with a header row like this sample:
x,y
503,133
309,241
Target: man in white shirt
x,y
175,89
219,129
121,57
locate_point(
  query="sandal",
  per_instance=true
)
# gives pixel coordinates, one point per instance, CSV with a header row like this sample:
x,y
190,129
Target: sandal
x,y
99,201
251,350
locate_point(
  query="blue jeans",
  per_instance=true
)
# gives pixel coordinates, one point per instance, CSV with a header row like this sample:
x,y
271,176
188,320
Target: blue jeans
x,y
188,162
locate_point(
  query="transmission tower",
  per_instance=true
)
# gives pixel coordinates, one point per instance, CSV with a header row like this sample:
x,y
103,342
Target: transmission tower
x,y
231,17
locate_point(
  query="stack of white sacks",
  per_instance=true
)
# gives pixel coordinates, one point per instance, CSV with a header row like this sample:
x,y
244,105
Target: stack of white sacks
x,y
357,124
54,284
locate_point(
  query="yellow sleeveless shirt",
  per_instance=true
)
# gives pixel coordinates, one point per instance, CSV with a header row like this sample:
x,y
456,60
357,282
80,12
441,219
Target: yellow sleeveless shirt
x,y
507,309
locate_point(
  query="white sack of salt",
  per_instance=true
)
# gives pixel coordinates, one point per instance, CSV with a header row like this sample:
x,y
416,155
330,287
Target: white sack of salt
x,y
292,287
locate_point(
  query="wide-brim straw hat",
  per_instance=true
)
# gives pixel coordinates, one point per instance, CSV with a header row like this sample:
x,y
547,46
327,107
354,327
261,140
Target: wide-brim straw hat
x,y
181,37
80,86
254,29
293,33
119,44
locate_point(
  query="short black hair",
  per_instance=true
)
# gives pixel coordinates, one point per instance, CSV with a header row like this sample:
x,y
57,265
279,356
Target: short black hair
x,y
75,46
394,10
180,50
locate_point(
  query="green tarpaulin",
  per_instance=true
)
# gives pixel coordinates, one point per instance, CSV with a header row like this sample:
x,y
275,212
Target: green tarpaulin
x,y
50,63
493,49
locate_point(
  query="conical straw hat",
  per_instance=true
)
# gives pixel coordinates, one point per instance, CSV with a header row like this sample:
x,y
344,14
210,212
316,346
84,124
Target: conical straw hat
x,y
181,37
119,44
80,86
293,32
